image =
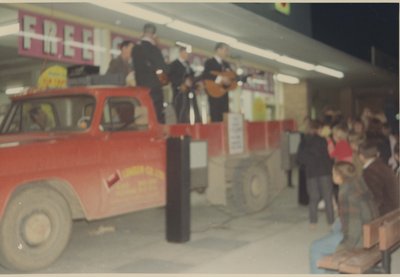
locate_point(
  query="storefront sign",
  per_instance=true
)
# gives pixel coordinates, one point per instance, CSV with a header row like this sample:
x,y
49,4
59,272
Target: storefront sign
x,y
54,39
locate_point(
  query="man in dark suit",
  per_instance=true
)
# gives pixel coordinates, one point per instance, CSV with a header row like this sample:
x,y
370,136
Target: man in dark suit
x,y
218,105
181,76
123,63
148,63
380,178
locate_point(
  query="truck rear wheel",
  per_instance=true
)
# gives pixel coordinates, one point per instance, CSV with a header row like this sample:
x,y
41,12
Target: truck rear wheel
x,y
35,229
250,187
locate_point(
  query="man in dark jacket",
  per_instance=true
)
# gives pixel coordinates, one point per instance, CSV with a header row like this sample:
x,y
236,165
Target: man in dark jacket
x,y
380,178
313,154
148,64
181,76
218,105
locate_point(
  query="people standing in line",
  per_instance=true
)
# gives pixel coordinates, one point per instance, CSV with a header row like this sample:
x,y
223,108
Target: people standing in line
x,y
213,66
181,76
356,207
313,155
379,178
149,66
123,63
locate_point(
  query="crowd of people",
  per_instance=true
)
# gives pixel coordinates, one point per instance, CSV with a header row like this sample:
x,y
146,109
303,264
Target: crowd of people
x,y
143,64
352,165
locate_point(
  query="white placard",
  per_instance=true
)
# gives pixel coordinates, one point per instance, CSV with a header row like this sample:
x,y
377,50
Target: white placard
x,y
235,133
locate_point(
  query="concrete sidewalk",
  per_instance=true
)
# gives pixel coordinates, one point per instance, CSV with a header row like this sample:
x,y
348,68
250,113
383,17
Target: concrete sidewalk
x,y
273,241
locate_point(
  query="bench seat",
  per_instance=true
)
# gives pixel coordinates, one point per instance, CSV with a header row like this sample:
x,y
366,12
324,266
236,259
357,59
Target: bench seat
x,y
381,239
351,262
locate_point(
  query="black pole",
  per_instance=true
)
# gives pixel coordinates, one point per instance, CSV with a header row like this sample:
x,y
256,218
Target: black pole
x,y
178,190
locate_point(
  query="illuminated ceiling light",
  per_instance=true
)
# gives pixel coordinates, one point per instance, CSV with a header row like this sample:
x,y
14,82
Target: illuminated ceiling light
x,y
329,71
9,29
296,63
133,11
287,79
200,32
255,50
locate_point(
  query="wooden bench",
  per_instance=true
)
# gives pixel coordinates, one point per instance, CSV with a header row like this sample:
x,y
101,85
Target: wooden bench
x,y
381,239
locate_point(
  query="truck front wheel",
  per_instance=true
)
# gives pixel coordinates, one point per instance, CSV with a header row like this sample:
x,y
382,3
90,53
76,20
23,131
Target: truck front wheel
x,y
250,187
35,229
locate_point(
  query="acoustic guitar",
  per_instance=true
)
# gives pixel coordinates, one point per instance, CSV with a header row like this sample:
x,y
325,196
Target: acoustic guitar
x,y
218,90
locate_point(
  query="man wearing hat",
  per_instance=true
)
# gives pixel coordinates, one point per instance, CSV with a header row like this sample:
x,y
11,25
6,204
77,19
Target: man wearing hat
x,y
148,63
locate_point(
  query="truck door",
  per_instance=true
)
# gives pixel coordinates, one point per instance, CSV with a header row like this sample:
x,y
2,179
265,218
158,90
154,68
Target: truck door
x,y
133,159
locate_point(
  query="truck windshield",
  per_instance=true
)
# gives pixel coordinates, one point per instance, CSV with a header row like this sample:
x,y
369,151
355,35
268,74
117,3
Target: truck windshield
x,y
50,114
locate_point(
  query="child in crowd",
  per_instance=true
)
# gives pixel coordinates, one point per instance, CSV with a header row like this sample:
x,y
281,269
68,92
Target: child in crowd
x,y
313,155
356,207
380,178
339,149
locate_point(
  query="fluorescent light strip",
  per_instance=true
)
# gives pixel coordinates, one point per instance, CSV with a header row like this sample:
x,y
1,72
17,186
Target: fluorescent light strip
x,y
296,63
287,79
39,37
134,11
85,46
255,50
200,32
9,29
329,71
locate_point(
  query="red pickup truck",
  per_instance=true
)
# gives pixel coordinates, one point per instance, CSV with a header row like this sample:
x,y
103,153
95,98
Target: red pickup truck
x,y
95,152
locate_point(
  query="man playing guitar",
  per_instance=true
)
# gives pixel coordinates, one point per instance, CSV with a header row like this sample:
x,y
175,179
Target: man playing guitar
x,y
219,79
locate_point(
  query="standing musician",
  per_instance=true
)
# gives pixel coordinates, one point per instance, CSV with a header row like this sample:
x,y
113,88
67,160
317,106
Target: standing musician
x,y
149,65
181,76
123,63
218,73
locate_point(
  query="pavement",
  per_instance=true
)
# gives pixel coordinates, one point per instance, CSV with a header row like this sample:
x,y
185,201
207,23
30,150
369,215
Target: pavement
x,y
273,241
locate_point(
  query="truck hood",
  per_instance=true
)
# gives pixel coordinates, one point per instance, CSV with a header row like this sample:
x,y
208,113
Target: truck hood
x,y
7,141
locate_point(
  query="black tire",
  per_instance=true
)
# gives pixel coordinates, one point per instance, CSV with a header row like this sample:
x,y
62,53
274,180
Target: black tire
x,y
250,187
35,229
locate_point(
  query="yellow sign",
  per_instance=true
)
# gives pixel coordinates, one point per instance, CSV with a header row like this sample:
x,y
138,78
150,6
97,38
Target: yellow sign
x,y
53,77
283,7
259,109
